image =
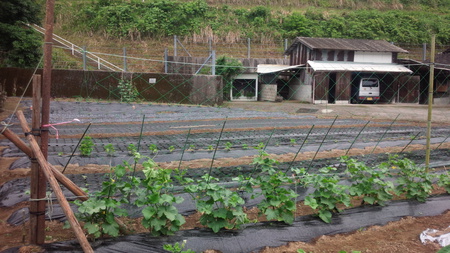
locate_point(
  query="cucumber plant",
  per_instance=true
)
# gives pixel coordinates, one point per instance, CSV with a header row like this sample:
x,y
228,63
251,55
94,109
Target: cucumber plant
x,y
369,183
109,149
219,207
328,194
87,146
279,202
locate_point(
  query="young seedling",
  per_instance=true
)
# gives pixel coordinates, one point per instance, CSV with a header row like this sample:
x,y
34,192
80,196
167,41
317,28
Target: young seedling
x,y
293,142
245,146
109,149
228,146
171,149
260,146
153,148
87,146
132,149
191,148
210,148
177,248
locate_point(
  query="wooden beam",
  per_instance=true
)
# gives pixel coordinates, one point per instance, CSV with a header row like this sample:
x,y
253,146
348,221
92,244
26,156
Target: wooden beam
x,y
55,186
71,186
10,135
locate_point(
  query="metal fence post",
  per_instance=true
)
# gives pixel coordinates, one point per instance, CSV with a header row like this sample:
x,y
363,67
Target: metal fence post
x,y
285,47
213,62
424,52
210,45
84,58
248,48
125,59
166,55
175,45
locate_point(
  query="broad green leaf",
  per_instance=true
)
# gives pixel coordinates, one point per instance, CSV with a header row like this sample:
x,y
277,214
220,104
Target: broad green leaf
x,y
288,217
325,215
369,200
271,214
157,224
93,229
274,202
221,213
111,229
311,202
217,225
149,212
170,212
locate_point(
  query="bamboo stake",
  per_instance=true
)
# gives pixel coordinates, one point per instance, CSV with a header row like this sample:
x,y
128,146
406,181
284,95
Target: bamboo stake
x,y
430,103
55,186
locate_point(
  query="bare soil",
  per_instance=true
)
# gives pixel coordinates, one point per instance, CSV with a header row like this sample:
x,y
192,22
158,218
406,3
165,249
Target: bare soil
x,y
400,236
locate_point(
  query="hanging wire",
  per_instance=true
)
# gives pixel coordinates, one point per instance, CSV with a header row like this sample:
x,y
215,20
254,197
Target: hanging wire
x,y
8,123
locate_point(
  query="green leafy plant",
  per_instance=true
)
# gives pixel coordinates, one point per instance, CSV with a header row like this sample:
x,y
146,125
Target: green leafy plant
x,y
219,207
128,93
369,183
293,142
411,180
228,146
260,146
191,147
161,217
177,248
99,210
132,149
87,146
444,181
328,194
279,201
244,146
228,68
109,149
171,149
153,148
210,148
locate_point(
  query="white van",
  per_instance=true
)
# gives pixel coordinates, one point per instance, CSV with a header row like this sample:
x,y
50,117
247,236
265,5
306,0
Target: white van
x,y
368,90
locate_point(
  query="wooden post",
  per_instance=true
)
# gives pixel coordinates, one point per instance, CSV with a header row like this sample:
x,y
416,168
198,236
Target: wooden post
x,y
55,186
38,184
430,103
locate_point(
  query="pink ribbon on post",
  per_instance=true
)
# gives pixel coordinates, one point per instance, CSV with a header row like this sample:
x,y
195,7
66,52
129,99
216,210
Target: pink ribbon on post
x,y
57,124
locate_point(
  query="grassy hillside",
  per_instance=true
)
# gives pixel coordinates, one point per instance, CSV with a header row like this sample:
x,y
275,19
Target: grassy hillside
x,y
229,21
147,27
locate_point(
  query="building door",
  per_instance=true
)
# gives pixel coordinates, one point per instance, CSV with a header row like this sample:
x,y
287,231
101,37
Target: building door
x,y
332,88
245,88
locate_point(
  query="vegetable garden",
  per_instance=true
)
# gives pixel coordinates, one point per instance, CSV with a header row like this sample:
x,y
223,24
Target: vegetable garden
x,y
219,163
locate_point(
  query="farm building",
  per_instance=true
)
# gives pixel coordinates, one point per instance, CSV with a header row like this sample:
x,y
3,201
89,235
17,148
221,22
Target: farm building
x,y
337,70
441,87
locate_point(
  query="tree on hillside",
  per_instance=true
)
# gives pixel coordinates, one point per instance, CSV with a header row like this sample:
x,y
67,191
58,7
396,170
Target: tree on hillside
x,y
21,46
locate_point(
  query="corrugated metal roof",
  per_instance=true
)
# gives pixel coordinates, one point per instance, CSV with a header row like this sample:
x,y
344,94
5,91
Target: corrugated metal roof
x,y
357,67
271,68
346,44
